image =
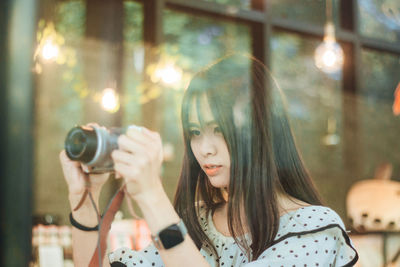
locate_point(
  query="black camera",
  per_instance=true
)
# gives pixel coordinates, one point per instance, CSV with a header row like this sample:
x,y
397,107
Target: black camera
x,y
92,146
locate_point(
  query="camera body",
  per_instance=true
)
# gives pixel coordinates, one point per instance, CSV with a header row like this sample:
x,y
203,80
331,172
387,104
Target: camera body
x,y
92,146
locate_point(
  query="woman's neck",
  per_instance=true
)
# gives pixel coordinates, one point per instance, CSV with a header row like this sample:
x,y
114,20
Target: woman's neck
x,y
286,203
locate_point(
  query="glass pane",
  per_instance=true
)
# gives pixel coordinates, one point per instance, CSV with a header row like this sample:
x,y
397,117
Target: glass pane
x,y
380,19
71,72
60,90
133,63
379,128
313,98
191,43
308,11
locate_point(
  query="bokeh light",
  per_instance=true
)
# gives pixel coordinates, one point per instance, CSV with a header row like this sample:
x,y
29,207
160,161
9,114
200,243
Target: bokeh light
x,y
168,74
50,50
329,56
110,100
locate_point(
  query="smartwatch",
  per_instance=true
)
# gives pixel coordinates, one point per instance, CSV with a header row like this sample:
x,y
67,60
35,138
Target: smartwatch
x,y
170,236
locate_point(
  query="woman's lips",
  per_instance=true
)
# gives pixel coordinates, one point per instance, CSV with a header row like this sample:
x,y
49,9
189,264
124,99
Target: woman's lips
x,y
212,170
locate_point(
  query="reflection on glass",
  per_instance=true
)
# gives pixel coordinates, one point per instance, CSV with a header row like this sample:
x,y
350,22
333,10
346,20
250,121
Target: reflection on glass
x,y
191,43
305,86
379,128
380,19
380,75
69,90
308,11
60,89
133,63
314,104
195,41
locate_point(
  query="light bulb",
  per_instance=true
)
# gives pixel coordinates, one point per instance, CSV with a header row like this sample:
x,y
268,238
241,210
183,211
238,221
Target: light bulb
x,y
329,55
169,74
50,50
110,100
329,58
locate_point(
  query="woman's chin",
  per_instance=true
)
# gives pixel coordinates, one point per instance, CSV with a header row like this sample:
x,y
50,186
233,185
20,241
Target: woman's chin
x,y
218,182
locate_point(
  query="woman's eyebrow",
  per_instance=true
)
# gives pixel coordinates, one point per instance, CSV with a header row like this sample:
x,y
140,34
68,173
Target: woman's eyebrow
x,y
211,122
192,124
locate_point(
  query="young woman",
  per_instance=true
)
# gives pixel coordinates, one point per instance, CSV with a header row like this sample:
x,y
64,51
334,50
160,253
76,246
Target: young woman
x,y
244,194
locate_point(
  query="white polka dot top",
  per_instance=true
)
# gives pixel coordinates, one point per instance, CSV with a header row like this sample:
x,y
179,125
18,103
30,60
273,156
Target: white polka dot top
x,y
309,236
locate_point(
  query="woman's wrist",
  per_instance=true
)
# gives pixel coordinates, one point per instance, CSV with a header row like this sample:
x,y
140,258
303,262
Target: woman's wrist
x,y
149,195
86,214
157,209
82,227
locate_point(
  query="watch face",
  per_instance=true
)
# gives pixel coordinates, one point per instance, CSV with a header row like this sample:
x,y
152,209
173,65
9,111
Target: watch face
x,y
171,236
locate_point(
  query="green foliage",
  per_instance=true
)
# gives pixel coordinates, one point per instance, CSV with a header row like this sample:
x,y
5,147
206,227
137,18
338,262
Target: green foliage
x,y
133,22
133,50
244,4
309,11
380,75
70,19
378,17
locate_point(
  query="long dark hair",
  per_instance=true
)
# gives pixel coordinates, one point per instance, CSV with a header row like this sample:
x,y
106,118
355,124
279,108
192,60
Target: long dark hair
x,y
264,157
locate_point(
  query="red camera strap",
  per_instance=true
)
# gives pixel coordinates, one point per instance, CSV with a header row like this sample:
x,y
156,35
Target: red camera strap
x,y
106,220
85,194
104,228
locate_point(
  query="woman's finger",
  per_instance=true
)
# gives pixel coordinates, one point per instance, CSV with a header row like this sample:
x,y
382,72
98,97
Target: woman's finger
x,y
125,170
117,175
92,124
129,145
66,160
122,156
155,136
139,134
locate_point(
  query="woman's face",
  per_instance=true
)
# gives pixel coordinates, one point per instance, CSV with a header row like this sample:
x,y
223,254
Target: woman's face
x,y
208,144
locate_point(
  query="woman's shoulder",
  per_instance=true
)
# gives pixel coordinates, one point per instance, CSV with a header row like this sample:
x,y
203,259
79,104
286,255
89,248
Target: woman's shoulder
x,y
311,233
315,214
310,218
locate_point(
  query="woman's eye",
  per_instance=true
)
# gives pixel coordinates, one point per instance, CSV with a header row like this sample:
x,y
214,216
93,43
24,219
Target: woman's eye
x,y
194,132
217,130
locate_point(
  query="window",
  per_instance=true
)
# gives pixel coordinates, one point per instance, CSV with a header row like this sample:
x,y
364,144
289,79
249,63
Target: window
x,y
380,19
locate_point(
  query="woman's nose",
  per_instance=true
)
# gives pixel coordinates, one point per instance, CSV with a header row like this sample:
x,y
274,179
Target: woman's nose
x,y
207,147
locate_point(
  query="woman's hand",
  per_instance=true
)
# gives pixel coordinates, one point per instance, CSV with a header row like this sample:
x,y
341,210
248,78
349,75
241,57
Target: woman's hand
x,y
138,160
75,177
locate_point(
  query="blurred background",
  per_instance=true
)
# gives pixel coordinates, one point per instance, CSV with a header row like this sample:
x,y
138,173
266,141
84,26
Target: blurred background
x,y
121,62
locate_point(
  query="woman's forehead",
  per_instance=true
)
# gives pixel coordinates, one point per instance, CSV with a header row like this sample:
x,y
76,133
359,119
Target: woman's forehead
x,y
200,111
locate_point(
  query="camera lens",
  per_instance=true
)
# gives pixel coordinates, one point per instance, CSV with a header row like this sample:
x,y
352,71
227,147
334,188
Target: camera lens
x,y
77,143
81,144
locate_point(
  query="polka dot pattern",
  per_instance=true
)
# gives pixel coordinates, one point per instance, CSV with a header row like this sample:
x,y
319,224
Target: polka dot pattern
x,y
309,236
146,257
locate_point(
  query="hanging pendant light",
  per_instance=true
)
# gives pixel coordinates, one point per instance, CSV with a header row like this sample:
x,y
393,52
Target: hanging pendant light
x,y
110,100
329,55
